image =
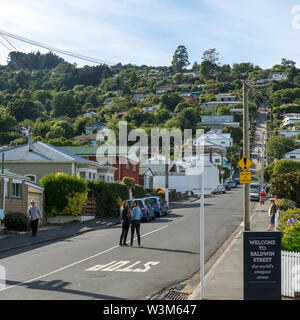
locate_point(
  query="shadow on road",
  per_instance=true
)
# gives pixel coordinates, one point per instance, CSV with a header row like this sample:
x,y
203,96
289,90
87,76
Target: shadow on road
x,y
170,250
59,286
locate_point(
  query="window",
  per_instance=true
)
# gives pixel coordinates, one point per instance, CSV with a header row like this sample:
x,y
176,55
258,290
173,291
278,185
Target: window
x,y
134,167
32,177
82,174
17,190
90,175
292,157
101,178
94,176
6,188
217,160
127,164
222,142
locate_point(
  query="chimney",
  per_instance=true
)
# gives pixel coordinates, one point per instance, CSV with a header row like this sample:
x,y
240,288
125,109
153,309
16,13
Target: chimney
x,y
29,138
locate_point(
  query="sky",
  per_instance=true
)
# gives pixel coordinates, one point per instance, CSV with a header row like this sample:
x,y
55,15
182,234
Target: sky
x,y
148,31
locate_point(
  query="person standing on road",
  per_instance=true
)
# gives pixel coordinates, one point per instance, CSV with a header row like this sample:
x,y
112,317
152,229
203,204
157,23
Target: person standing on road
x,y
34,215
125,222
262,196
135,222
272,212
267,189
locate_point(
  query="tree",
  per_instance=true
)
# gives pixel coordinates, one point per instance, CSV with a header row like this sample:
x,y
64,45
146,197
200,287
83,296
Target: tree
x,y
64,104
180,59
7,122
236,133
222,109
207,70
278,146
24,109
211,55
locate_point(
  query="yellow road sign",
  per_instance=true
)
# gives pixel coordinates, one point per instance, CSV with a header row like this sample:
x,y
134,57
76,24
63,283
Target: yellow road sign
x,y
245,177
245,163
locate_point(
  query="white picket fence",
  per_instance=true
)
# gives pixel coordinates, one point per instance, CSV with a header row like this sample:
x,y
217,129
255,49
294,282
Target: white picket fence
x,y
290,273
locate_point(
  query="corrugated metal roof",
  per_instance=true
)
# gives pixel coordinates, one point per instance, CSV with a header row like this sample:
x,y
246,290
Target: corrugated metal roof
x,y
41,152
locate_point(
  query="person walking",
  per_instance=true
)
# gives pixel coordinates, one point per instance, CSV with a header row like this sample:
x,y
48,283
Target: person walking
x,y
262,196
267,189
135,222
272,212
34,215
125,222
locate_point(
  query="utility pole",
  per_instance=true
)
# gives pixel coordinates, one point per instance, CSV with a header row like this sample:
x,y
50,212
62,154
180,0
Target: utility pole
x,y
167,183
246,190
262,160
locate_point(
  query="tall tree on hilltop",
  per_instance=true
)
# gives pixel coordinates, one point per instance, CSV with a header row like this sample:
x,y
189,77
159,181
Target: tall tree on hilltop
x,y
180,59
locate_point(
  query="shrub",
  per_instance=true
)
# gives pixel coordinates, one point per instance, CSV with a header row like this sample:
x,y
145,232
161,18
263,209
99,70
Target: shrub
x,y
64,194
139,191
285,204
121,189
16,221
286,216
287,186
291,243
161,194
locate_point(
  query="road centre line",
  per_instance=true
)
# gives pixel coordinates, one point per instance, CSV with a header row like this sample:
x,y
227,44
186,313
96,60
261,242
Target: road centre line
x,y
75,263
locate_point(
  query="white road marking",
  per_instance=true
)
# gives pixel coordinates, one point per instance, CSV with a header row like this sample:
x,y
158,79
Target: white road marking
x,y
75,263
115,266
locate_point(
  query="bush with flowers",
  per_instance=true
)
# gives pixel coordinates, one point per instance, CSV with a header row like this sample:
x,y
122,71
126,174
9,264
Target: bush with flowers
x,y
289,225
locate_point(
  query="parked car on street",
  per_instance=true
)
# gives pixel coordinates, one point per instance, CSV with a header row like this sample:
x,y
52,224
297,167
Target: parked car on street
x,y
226,186
232,183
219,189
237,180
159,206
254,191
146,208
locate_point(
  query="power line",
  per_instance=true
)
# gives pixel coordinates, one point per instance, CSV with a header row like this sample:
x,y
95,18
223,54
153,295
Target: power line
x,y
5,46
68,53
9,42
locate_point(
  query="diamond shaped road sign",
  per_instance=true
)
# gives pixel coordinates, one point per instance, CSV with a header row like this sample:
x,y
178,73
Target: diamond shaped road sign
x,y
245,163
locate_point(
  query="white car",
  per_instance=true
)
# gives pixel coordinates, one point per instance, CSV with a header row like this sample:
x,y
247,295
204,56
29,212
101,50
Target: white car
x,y
219,189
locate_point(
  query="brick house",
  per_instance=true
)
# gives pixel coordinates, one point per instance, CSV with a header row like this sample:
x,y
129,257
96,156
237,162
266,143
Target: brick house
x,y
127,169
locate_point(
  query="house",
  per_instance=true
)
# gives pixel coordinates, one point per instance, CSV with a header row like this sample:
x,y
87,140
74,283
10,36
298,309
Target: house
x,y
146,178
221,139
16,192
90,114
190,75
289,133
279,76
189,98
95,128
128,169
290,119
219,122
23,131
295,155
35,160
226,99
151,108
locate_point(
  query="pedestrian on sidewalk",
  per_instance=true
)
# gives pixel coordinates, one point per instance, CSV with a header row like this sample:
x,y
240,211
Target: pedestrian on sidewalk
x,y
34,215
267,189
135,222
125,222
262,196
118,206
272,212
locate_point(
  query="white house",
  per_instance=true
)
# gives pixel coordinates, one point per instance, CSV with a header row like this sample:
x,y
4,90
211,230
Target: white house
x,y
226,99
218,138
290,119
295,154
289,133
279,76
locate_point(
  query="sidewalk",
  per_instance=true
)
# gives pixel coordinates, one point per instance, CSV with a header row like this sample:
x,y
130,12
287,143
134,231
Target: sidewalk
x,y
224,281
48,233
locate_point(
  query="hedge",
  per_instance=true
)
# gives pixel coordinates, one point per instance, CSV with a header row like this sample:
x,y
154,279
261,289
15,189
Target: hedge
x,y
16,221
106,194
139,191
64,194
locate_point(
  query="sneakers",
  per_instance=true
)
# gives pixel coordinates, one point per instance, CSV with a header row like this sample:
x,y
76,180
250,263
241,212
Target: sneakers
x,y
125,244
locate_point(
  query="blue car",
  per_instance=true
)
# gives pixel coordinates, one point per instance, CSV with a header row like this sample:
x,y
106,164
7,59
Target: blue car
x,y
146,208
159,206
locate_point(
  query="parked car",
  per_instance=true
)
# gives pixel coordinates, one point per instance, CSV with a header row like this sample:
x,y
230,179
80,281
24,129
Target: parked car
x,y
232,183
146,208
159,206
237,180
254,191
219,189
226,186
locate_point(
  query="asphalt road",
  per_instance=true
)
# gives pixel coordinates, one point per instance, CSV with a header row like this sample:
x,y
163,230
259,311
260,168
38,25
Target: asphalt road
x,y
93,266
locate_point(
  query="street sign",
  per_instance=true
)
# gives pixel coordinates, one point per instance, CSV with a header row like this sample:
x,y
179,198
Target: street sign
x,y
262,265
245,177
245,163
